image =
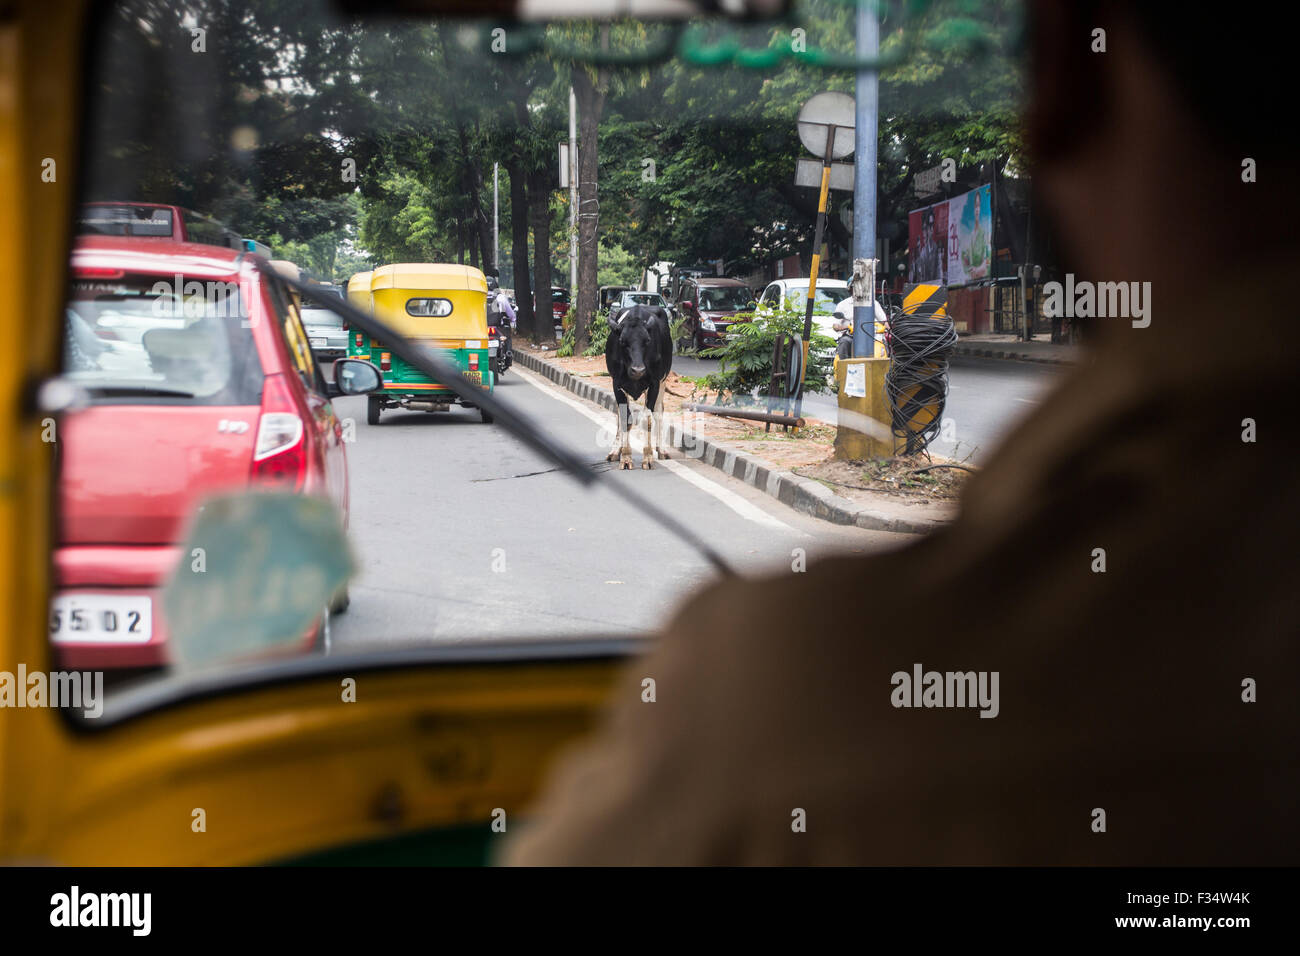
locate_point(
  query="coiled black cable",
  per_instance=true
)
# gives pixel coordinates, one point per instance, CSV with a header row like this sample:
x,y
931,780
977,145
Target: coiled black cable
x,y
917,382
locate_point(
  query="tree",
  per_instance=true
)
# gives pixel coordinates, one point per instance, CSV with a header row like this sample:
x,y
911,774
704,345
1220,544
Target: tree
x,y
590,87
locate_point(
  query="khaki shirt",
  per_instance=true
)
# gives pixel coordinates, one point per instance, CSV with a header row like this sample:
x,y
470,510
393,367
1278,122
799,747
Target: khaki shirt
x,y
1120,692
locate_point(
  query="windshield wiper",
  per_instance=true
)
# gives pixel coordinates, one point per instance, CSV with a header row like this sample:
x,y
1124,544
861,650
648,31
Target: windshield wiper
x,y
446,373
137,390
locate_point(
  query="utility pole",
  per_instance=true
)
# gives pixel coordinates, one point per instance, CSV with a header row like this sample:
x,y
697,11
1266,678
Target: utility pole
x,y
573,197
496,218
864,185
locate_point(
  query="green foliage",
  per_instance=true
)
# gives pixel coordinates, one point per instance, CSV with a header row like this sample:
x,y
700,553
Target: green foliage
x,y
696,163
675,327
746,357
565,349
597,336
617,266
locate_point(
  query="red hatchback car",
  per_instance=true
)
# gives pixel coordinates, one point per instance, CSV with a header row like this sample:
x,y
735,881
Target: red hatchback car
x,y
200,379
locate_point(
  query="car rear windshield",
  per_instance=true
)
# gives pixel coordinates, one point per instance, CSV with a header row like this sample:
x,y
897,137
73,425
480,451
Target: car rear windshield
x,y
823,299
165,340
724,298
125,219
643,298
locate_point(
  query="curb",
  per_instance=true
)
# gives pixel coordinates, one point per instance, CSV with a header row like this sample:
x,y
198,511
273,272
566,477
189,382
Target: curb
x,y
802,494
1010,356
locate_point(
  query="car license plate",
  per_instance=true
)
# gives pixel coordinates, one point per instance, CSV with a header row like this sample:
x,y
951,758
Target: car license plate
x,y
101,618
474,377
318,343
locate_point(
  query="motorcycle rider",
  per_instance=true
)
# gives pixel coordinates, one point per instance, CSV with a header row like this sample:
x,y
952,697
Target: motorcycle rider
x,y
499,309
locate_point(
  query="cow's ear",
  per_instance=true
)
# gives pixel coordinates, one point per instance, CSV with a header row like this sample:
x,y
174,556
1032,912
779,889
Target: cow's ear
x,y
663,314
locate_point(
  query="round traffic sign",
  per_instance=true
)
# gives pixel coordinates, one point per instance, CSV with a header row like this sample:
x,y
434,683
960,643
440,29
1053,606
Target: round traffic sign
x,y
816,118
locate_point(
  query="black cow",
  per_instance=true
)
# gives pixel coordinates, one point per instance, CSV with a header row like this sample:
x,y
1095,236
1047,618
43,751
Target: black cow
x,y
639,356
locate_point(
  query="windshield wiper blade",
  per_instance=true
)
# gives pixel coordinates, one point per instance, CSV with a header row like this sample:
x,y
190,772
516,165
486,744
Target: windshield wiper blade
x,y
446,373
137,390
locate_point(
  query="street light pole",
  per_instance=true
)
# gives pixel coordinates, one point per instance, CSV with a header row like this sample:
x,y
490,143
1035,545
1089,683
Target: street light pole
x,y
496,217
864,185
573,197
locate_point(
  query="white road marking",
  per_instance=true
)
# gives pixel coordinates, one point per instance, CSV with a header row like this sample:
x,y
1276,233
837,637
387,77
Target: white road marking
x,y
735,502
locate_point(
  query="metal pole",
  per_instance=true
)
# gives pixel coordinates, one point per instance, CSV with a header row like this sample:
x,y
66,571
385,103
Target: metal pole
x,y
496,218
573,197
815,268
864,180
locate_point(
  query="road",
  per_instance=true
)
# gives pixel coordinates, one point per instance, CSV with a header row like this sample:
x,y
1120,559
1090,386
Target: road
x,y
986,398
440,500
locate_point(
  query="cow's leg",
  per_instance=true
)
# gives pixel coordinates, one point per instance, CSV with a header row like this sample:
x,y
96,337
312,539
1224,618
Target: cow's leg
x,y
652,402
624,449
660,423
620,449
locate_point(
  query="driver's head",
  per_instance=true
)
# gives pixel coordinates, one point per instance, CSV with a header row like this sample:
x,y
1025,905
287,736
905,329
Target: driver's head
x,y
1141,118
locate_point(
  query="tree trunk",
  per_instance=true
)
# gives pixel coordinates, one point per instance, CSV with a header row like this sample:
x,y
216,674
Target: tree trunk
x,y
519,249
539,212
590,96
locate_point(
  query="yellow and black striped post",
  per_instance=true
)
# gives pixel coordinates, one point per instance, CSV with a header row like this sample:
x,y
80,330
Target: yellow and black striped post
x,y
926,299
816,265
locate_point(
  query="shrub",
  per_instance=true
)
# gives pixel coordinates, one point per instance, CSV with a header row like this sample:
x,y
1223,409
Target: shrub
x,y
746,356
597,336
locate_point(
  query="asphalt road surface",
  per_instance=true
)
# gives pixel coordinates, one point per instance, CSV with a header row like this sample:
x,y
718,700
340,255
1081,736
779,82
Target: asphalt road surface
x,y
461,533
986,398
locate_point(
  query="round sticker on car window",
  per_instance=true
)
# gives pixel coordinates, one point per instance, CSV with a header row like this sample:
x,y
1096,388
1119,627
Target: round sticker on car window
x,y
428,308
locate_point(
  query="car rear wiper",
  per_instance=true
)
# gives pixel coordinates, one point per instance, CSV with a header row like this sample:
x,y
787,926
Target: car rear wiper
x,y
445,373
136,389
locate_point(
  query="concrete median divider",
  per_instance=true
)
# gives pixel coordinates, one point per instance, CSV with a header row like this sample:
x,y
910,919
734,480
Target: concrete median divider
x,y
802,494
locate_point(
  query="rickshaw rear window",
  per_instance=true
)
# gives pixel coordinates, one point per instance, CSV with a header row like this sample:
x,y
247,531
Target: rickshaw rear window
x,y
429,308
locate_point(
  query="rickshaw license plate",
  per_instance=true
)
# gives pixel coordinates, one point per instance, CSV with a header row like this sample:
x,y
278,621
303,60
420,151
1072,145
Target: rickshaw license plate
x,y
318,343
474,377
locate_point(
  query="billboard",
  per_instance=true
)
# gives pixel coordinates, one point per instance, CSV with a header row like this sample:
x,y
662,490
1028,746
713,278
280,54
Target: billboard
x,y
951,241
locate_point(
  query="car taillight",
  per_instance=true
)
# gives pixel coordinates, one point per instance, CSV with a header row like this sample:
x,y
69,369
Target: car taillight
x,y
473,361
280,455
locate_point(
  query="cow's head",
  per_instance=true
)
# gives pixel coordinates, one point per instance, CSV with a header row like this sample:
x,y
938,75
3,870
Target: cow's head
x,y
631,327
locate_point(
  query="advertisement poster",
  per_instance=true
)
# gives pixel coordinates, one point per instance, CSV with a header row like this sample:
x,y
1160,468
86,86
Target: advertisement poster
x,y
951,241
927,231
970,228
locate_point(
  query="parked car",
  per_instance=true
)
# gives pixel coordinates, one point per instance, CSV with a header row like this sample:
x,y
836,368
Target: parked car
x,y
199,379
559,305
793,294
708,306
641,297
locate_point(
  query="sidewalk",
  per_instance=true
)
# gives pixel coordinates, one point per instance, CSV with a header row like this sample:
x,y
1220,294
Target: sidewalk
x,y
1007,346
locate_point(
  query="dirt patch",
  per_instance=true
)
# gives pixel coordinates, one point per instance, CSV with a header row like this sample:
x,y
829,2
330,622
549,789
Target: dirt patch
x,y
913,478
